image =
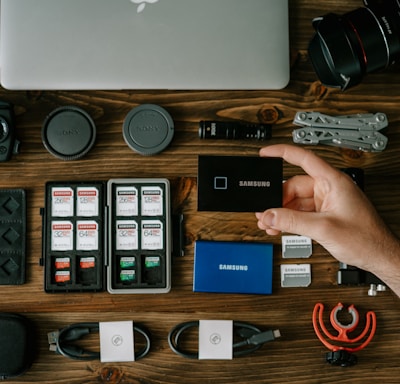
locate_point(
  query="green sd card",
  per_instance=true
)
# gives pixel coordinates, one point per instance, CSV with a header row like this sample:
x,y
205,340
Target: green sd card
x,y
127,262
127,276
152,261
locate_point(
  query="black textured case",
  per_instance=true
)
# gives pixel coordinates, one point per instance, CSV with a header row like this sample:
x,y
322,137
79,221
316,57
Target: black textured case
x,y
16,345
12,236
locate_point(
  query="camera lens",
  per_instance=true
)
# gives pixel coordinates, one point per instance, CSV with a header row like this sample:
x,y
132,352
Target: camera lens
x,y
346,48
4,129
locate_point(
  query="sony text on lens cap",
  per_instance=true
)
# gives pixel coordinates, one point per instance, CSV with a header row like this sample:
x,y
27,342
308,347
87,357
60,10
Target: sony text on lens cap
x,y
148,129
68,133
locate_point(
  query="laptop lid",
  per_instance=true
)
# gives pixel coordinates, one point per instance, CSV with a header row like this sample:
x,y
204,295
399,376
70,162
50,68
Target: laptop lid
x,y
144,44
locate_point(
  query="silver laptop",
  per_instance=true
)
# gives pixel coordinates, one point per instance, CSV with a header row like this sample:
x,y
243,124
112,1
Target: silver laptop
x,y
144,44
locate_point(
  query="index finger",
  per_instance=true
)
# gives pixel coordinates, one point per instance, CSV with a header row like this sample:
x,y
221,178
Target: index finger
x,y
307,160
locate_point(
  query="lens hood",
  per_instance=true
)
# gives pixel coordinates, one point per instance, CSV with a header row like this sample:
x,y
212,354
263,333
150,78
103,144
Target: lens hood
x,y
346,48
332,55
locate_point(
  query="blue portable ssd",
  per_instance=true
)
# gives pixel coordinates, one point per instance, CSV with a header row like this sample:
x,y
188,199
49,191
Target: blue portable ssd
x,y
233,267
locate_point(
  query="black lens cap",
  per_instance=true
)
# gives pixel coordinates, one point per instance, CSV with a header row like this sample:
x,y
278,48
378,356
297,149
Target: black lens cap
x,y
148,129
68,133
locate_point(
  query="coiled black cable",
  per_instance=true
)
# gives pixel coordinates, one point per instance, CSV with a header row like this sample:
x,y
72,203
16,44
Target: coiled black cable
x,y
62,341
249,334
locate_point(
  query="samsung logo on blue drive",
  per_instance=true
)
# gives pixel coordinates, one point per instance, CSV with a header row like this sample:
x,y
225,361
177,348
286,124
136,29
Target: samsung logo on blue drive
x,y
229,267
233,267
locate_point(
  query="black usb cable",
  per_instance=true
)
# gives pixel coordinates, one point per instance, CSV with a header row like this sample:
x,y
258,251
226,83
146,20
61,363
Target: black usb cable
x,y
250,337
62,341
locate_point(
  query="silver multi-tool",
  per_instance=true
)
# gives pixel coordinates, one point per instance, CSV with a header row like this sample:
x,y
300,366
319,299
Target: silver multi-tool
x,y
360,132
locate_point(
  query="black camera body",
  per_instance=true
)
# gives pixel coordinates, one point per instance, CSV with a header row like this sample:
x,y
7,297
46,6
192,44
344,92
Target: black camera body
x,y
346,48
8,142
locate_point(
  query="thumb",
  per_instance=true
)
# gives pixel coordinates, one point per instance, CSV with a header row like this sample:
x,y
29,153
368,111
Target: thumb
x,y
291,221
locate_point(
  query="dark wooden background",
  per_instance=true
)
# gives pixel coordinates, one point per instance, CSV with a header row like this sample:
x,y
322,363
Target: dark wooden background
x,y
298,357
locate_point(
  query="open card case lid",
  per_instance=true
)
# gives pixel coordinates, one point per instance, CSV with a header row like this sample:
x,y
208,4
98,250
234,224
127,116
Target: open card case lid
x,y
114,236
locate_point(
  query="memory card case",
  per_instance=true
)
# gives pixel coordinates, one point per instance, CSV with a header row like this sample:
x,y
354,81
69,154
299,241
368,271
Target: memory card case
x,y
12,236
113,235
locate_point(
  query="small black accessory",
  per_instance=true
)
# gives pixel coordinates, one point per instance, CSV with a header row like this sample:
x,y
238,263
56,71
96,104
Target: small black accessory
x,y
233,131
341,358
16,345
148,129
68,133
61,341
249,338
8,143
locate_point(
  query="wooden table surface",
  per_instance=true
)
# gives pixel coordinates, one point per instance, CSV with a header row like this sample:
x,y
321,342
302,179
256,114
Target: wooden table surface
x,y
298,356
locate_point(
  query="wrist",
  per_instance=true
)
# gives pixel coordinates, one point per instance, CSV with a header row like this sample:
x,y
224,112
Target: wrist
x,y
386,264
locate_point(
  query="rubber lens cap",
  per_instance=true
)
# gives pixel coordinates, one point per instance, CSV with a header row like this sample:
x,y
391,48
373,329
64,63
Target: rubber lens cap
x,y
68,133
148,129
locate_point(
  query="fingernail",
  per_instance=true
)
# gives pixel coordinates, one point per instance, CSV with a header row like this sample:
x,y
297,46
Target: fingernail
x,y
269,219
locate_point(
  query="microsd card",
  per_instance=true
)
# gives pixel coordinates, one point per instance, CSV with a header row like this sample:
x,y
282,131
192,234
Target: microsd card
x,y
295,275
296,247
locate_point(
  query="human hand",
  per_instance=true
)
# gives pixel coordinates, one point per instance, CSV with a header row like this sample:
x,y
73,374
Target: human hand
x,y
327,206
